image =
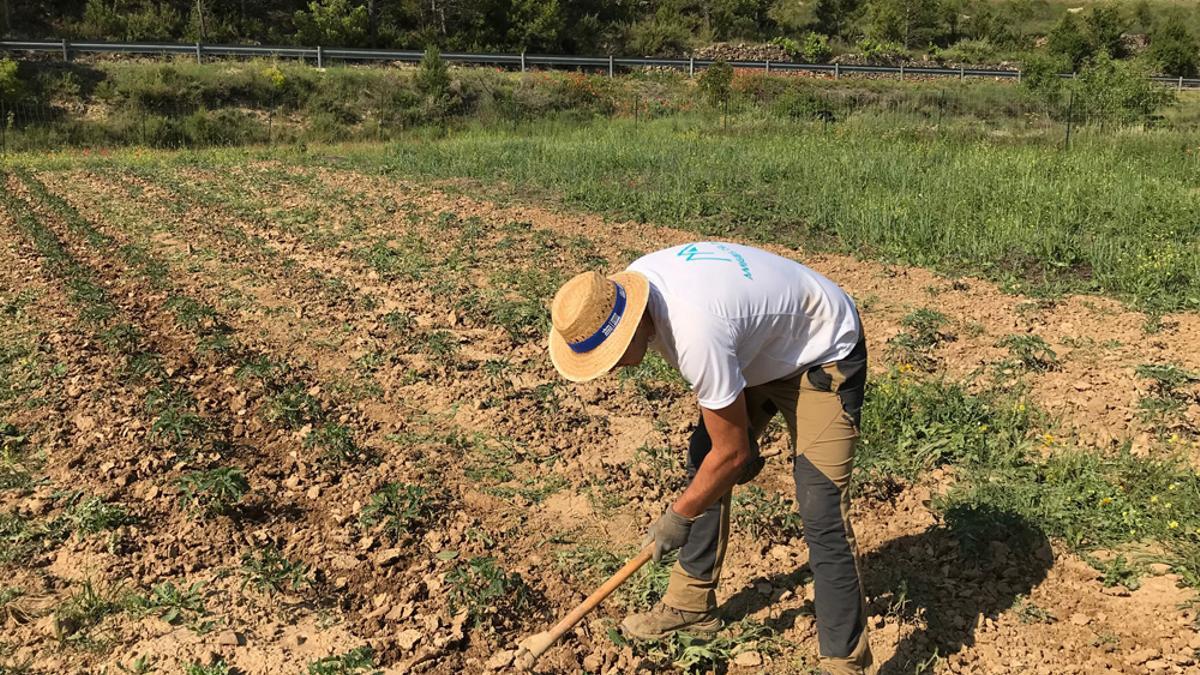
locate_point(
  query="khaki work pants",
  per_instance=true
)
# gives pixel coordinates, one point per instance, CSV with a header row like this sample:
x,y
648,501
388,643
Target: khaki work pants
x,y
822,408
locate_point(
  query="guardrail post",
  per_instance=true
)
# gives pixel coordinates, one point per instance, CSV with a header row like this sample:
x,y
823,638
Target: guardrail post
x,y
197,52
962,72
1180,83
66,50
1018,77
320,57
522,60
691,66
610,65
901,72
768,66
837,71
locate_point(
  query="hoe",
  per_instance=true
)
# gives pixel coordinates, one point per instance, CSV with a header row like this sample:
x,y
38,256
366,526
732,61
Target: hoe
x,y
535,645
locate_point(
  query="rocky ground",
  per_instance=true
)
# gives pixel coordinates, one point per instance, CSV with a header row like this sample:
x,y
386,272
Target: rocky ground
x,y
366,353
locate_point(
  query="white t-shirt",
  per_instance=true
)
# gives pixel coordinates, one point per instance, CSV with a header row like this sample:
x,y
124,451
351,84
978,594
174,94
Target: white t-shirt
x,y
730,316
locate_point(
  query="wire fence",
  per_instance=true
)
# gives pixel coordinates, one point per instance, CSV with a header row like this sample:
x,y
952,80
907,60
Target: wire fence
x,y
322,55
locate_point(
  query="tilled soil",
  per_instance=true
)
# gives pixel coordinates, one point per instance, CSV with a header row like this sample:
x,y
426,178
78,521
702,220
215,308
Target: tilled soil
x,y
332,332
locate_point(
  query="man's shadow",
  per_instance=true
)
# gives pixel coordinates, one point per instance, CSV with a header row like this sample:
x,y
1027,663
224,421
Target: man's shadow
x,y
974,565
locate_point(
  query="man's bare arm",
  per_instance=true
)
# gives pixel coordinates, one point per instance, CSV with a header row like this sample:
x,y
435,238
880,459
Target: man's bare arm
x,y
719,472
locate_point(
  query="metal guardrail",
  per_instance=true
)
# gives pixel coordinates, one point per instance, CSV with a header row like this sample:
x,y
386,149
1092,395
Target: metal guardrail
x,y
522,60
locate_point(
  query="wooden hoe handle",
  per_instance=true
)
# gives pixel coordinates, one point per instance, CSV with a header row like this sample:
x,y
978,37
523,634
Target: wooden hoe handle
x,y
536,645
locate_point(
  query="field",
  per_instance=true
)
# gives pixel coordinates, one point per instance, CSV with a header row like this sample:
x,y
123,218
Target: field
x,y
289,410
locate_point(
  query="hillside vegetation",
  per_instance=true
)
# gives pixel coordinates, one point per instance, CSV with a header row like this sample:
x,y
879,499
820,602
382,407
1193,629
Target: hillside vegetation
x,y
1162,32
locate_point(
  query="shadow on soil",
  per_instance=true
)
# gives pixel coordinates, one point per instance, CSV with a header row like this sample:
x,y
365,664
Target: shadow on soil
x,y
977,564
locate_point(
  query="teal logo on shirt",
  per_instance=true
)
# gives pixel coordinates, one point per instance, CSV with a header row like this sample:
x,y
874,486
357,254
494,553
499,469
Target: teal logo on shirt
x,y
694,253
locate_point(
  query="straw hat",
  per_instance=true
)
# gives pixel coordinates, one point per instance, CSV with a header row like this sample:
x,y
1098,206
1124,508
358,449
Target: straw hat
x,y
593,320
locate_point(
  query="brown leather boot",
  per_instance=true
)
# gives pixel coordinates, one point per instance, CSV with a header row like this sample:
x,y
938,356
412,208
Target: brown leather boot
x,y
663,620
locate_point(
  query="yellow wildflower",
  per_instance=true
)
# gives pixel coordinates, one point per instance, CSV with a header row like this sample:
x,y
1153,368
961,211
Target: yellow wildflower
x,y
1174,524
1105,501
1154,499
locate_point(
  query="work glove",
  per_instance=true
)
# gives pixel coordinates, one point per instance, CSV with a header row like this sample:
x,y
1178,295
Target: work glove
x,y
668,533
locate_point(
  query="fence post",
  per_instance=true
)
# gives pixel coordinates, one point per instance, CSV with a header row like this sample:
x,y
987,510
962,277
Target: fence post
x,y
320,57
691,66
1070,118
610,65
837,71
198,52
522,60
3,128
66,50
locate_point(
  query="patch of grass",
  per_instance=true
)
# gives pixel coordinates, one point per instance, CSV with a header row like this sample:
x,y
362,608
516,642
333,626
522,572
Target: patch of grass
x,y
1171,393
83,611
770,518
653,378
1054,229
401,510
441,345
491,596
266,569
664,465
357,660
1030,352
911,425
213,492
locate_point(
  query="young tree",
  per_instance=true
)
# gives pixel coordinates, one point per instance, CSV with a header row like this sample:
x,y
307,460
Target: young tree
x,y
1174,49
1068,42
332,22
716,82
912,23
1105,27
433,77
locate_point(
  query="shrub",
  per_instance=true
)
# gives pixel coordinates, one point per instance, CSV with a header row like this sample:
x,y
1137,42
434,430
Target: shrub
x,y
880,51
970,51
716,82
1118,91
11,87
335,23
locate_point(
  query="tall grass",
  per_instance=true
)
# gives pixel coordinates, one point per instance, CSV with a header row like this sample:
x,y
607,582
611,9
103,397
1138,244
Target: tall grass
x,y
1119,213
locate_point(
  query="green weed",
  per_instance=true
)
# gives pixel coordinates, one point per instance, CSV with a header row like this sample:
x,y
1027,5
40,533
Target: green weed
x,y
336,444
213,492
910,426
923,334
267,570
765,518
1029,613
294,407
93,515
400,509
175,422
84,611
217,667
169,602
357,660
490,595
1030,352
